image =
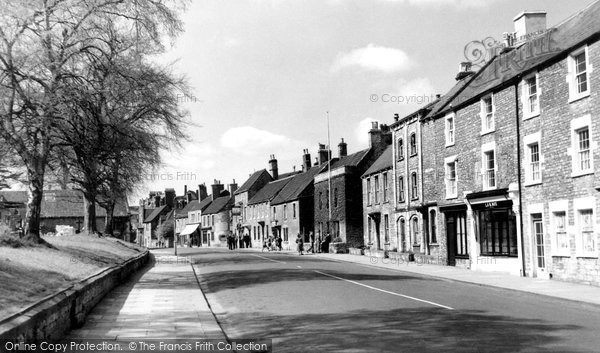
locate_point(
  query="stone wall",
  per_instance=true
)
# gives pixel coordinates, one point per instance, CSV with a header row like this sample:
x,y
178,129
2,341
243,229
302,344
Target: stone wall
x,y
55,315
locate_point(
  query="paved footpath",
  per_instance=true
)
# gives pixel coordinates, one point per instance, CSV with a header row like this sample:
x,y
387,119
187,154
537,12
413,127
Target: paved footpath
x,y
162,302
553,288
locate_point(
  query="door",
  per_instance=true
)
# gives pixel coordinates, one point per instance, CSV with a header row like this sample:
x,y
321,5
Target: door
x,y
538,234
451,236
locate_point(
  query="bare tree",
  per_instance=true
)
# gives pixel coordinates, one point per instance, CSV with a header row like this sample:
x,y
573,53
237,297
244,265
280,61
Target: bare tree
x,y
43,44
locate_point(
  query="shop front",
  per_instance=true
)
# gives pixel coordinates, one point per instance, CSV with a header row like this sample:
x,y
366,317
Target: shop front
x,y
495,245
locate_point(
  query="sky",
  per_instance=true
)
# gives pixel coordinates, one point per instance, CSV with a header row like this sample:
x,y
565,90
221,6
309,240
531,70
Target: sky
x,y
266,72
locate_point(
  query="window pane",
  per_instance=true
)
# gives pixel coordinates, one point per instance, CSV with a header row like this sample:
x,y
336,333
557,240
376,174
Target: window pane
x,y
581,73
583,137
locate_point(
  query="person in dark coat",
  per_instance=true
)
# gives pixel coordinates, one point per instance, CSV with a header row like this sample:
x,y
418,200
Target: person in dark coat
x,y
325,244
300,243
278,242
312,243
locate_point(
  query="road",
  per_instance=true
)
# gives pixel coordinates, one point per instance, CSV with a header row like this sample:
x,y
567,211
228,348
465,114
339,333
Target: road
x,y
304,303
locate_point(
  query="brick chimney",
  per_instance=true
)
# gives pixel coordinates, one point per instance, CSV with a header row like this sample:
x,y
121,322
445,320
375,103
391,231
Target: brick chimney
x,y
217,187
342,149
380,138
273,167
529,23
233,187
464,70
169,197
202,194
324,153
305,160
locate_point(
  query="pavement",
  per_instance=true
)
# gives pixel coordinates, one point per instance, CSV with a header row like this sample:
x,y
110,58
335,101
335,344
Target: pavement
x,y
162,301
553,288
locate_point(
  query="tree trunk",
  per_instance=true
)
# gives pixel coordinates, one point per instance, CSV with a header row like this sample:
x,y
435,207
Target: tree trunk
x,y
89,218
110,225
35,191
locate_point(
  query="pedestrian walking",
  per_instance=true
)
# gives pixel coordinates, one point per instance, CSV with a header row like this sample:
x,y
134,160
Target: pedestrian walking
x,y
300,244
312,243
278,242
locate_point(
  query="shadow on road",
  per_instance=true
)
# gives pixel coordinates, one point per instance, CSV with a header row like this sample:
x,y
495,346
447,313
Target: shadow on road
x,y
214,282
402,330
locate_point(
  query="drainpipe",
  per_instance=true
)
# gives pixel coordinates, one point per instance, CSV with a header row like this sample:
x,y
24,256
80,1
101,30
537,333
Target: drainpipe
x,y
520,186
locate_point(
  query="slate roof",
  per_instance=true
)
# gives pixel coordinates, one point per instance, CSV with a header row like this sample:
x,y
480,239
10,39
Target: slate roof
x,y
196,205
13,196
269,191
219,204
385,161
504,68
292,190
251,180
155,213
351,160
64,203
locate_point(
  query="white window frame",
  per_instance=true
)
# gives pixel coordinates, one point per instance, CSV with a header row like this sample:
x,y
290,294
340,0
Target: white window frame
x,y
528,141
485,148
450,132
572,74
577,125
579,205
483,114
554,207
447,163
525,96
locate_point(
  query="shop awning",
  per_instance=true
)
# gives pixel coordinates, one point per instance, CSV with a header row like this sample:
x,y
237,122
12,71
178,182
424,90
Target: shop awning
x,y
189,229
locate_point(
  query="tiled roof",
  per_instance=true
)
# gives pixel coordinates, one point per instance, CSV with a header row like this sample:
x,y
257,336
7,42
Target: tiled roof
x,y
385,161
351,160
64,203
269,191
547,47
155,213
196,205
251,180
292,190
13,196
219,204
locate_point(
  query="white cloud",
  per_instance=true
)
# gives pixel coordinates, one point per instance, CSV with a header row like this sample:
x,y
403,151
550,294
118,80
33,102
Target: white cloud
x,y
362,130
453,3
248,140
374,58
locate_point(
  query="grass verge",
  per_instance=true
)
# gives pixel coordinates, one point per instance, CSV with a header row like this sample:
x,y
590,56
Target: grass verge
x,y
30,272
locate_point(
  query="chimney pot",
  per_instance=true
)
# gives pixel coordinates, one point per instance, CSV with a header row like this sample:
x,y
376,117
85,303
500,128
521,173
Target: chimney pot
x,y
273,167
342,149
324,154
464,70
305,160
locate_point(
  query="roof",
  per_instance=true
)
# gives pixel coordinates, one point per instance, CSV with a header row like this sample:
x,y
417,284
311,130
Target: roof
x,y
63,203
196,205
269,191
254,177
219,204
384,162
292,190
547,47
351,160
13,196
155,213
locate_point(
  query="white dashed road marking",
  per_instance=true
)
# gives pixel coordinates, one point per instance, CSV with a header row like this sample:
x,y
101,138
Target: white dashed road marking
x,y
385,291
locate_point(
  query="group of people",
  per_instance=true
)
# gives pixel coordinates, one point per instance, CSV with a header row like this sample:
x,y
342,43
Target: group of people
x,y
276,243
273,243
235,241
323,244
